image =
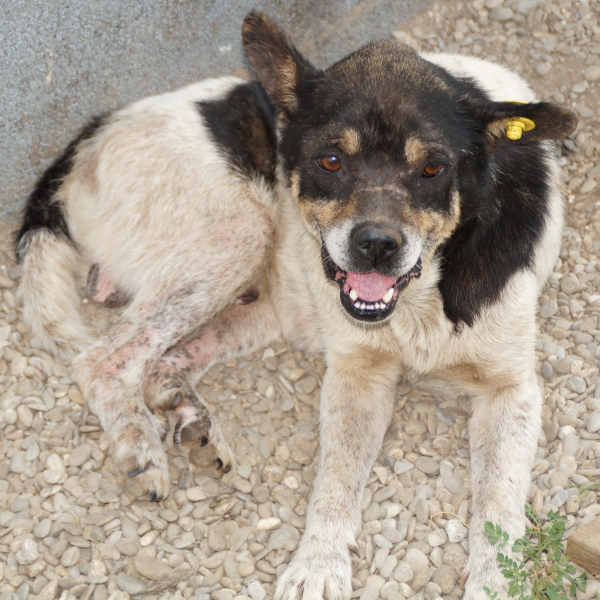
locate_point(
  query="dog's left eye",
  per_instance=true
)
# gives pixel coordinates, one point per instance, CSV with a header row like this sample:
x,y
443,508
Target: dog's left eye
x,y
433,169
330,163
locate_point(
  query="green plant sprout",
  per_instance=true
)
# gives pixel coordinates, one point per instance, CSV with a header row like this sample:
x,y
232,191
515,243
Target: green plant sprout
x,y
538,568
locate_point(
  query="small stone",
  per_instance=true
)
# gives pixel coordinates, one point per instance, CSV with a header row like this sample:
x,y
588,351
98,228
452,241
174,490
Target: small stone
x,y
148,538
547,371
97,569
130,584
27,553
25,415
268,524
49,591
559,498
592,73
422,510
584,111
382,542
223,594
42,529
383,494
549,309
571,444
551,431
428,465
256,591
543,68
593,422
588,186
501,13
80,455
443,416
570,284
455,530
403,572
402,466
577,385
437,538
126,547
446,577
420,578
372,587
18,464
151,568
241,484
187,540
71,557
195,494
454,555
416,559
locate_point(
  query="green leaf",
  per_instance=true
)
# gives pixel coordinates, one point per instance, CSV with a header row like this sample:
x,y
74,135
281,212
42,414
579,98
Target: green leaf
x,y
552,594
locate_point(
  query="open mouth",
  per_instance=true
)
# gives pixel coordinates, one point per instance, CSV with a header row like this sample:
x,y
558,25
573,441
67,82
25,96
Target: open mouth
x,y
367,296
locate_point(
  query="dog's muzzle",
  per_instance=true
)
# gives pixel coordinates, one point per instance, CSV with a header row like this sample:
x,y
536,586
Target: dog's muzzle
x,y
369,296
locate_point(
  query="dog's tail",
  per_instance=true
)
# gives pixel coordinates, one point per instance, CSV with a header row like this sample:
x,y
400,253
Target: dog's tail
x,y
50,261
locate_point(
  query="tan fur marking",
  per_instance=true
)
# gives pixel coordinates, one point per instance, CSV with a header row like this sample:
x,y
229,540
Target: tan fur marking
x,y
415,151
349,142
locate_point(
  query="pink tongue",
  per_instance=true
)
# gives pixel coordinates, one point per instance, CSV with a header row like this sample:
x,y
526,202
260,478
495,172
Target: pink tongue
x,y
369,286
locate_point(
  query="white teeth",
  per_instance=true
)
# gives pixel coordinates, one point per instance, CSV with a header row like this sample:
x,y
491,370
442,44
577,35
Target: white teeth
x,y
353,295
363,306
388,295
357,305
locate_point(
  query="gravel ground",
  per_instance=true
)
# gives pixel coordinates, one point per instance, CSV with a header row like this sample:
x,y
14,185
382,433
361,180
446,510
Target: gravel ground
x,y
70,528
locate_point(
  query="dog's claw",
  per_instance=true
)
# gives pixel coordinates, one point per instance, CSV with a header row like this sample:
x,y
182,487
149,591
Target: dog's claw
x,y
203,440
219,464
226,469
140,469
176,400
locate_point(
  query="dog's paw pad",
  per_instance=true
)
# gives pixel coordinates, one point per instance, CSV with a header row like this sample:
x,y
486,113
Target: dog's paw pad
x,y
316,575
198,437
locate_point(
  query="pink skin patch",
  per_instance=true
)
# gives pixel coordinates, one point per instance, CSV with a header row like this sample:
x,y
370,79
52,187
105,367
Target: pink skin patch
x,y
187,413
369,286
114,364
104,288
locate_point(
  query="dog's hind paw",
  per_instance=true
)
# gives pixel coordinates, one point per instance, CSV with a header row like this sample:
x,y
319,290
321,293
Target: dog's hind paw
x,y
316,573
198,435
142,457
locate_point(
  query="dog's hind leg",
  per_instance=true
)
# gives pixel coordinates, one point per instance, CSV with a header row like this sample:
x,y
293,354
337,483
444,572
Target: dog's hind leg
x,y
244,327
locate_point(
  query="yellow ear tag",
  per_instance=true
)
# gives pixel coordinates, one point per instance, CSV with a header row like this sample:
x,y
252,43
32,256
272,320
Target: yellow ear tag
x,y
516,126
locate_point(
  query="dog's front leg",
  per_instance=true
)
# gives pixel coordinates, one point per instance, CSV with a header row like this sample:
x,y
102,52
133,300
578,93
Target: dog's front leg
x,y
503,430
357,401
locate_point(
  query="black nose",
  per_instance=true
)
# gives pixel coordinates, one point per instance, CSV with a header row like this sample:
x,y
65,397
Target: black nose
x,y
376,244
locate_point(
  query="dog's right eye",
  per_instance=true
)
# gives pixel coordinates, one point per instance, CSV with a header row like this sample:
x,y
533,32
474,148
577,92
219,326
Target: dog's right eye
x,y
432,169
330,163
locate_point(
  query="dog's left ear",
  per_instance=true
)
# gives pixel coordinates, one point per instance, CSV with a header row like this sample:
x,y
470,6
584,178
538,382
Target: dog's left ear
x,y
280,67
506,122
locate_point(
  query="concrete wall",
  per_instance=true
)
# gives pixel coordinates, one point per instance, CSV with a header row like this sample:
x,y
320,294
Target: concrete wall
x,y
63,61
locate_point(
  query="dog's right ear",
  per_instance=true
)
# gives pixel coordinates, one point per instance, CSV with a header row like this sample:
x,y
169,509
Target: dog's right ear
x,y
280,67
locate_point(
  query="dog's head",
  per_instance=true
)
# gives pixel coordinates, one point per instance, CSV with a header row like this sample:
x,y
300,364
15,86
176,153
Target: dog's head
x,y
376,150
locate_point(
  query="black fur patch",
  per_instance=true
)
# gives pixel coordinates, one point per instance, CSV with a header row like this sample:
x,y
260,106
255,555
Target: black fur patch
x,y
41,210
243,126
498,232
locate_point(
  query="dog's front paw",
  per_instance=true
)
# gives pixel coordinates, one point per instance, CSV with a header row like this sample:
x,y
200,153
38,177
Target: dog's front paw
x,y
198,436
139,454
483,571
317,573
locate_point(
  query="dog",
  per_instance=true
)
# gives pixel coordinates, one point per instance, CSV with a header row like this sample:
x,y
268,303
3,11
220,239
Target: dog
x,y
381,212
